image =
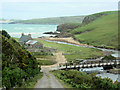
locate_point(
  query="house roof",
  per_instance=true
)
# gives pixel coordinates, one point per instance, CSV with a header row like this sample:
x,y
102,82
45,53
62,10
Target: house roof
x,y
31,42
24,38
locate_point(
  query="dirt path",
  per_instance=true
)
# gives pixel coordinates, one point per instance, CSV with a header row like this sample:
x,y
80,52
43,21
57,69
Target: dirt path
x,y
59,59
48,80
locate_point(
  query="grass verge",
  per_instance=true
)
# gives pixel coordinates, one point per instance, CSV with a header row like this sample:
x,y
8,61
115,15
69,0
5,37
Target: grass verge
x,y
79,79
65,85
31,82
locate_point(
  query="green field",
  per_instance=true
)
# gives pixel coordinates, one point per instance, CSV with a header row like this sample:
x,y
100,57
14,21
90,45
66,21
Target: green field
x,y
46,62
42,54
44,58
102,32
73,52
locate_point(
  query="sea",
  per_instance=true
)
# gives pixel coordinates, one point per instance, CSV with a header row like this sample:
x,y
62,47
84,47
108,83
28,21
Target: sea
x,y
36,30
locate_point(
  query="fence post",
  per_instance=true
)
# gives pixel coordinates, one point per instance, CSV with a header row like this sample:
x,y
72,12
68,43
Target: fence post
x,y
74,65
83,65
115,64
99,64
66,66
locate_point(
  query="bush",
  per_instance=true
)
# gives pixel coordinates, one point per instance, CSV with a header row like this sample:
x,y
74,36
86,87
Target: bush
x,y
110,57
82,80
17,63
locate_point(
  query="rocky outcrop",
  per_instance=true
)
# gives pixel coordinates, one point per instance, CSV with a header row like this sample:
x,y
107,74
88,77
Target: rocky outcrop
x,y
67,26
63,35
51,33
65,29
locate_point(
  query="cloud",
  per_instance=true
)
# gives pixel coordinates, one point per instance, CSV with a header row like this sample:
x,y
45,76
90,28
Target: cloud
x,y
24,9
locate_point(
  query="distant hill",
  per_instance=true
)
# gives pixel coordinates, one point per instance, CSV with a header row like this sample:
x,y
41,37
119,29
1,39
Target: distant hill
x,y
52,20
6,21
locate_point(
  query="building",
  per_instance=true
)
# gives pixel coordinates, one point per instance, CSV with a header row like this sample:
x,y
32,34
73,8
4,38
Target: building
x,y
27,41
33,44
24,38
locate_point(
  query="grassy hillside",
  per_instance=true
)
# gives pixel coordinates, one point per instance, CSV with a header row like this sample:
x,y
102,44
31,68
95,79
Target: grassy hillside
x,y
67,28
53,20
92,17
102,32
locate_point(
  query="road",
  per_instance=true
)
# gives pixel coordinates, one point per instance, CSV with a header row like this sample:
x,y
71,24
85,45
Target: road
x,y
48,80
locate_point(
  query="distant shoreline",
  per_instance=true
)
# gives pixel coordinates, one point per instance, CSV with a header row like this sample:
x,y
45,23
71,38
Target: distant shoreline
x,y
5,21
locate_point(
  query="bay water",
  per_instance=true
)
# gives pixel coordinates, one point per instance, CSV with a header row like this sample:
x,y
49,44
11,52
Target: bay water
x,y
36,30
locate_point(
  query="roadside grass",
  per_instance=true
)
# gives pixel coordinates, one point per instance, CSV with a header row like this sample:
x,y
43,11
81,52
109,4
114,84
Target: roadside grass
x,y
103,32
77,79
73,52
31,82
64,84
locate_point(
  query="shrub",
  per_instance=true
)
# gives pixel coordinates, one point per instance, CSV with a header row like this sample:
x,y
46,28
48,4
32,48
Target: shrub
x,y
82,80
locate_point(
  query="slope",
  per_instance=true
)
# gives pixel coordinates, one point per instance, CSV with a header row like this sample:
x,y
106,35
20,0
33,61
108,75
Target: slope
x,y
102,32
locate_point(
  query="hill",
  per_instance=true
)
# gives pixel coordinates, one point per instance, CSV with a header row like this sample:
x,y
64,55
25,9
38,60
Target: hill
x,y
102,32
18,65
52,20
99,29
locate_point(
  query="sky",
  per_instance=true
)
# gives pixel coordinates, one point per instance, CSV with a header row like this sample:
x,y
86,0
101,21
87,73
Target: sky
x,y
28,9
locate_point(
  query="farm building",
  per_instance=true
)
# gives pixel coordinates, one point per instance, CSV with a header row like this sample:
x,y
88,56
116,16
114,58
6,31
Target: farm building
x,y
27,41
33,44
24,38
